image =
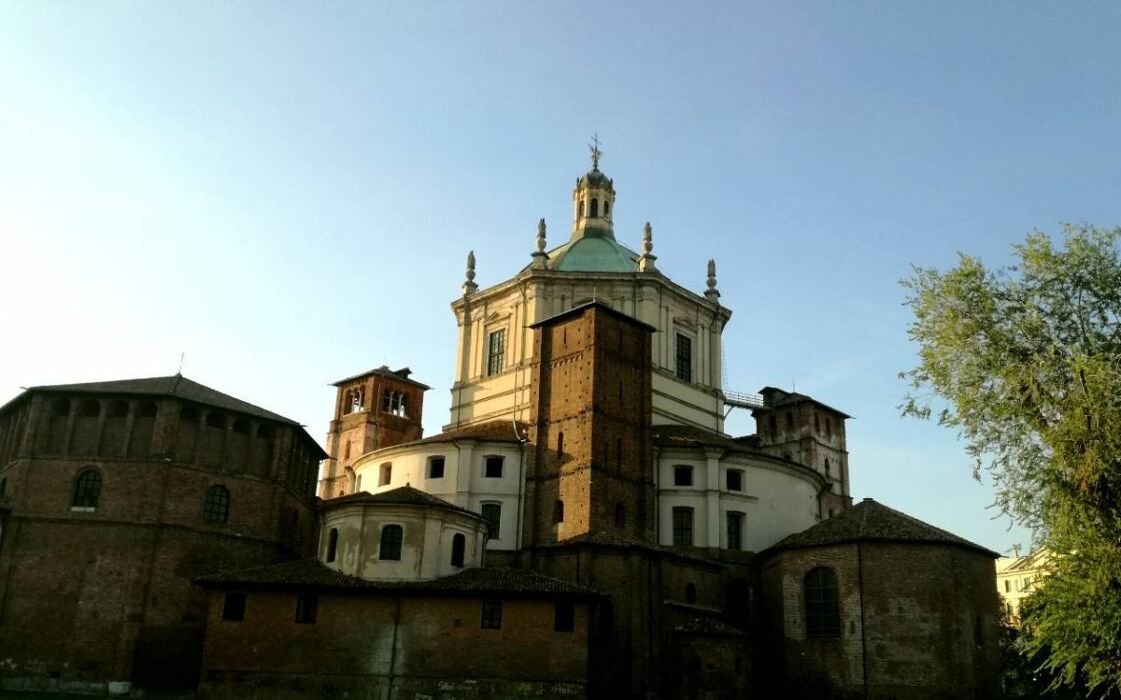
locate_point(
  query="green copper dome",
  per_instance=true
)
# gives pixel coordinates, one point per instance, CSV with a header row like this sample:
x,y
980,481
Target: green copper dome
x,y
593,253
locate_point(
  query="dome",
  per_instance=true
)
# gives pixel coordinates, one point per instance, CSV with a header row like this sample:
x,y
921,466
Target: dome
x,y
595,251
595,178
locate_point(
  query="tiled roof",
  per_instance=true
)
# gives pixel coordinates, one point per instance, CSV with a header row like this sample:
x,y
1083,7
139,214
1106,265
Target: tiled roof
x,y
404,495
496,431
870,521
689,436
780,397
611,540
400,375
311,573
176,385
708,627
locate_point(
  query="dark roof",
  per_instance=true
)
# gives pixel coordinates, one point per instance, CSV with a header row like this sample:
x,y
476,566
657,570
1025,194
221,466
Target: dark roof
x,y
871,521
614,541
689,436
404,496
400,375
787,398
176,386
311,573
599,305
496,431
708,627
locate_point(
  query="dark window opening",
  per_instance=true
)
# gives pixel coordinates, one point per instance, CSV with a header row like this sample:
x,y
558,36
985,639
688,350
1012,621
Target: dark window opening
x,y
3,487
789,420
492,513
216,507
734,480
492,615
817,423
435,467
558,511
391,537
87,489
459,547
332,544
620,515
385,474
564,617
823,613
494,467
682,475
690,593
772,425
560,444
619,453
683,527
735,531
233,607
307,609
595,208
496,351
827,467
606,207
684,358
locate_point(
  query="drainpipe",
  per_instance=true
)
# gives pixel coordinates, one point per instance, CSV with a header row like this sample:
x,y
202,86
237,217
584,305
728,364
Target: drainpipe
x,y
863,630
393,648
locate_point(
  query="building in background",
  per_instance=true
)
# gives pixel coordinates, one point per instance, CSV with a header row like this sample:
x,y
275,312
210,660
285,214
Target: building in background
x,y
1017,577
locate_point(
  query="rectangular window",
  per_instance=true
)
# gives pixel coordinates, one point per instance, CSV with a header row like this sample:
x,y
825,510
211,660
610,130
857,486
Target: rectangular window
x,y
735,531
494,467
307,608
385,473
564,618
233,607
683,527
682,475
492,615
435,467
1007,586
684,357
496,351
734,480
492,513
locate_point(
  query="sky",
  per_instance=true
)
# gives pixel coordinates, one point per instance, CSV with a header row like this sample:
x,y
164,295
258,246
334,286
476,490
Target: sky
x,y
283,194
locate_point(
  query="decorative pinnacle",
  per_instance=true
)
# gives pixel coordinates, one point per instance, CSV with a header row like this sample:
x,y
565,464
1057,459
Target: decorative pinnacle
x,y
712,294
646,260
539,255
596,153
469,285
541,236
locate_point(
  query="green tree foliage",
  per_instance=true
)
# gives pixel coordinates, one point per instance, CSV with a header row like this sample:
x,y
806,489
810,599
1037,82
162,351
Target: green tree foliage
x,y
1025,362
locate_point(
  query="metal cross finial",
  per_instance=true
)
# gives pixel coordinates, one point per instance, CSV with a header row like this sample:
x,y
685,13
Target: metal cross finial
x,y
596,153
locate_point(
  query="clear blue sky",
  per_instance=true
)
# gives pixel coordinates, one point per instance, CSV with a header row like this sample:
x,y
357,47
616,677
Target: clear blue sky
x,y
287,192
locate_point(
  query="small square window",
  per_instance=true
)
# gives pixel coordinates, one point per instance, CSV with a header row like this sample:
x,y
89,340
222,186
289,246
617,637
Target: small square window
x,y
233,607
435,467
494,467
735,480
492,615
307,608
682,475
564,618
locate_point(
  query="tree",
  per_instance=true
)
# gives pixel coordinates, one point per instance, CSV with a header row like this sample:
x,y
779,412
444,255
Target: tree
x,y
1025,362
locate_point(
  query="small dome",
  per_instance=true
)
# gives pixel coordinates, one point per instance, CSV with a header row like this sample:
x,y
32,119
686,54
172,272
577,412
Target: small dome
x,y
593,253
595,178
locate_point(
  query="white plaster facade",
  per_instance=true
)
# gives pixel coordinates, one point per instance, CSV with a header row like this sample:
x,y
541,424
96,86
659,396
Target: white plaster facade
x,y
427,540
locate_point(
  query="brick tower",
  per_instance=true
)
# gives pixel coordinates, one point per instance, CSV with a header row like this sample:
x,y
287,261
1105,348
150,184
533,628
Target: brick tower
x,y
590,470
375,409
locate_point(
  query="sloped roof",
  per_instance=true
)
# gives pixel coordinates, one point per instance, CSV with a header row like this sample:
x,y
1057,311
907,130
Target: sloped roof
x,y
612,540
593,253
704,626
404,496
871,521
400,375
791,397
176,386
311,573
496,431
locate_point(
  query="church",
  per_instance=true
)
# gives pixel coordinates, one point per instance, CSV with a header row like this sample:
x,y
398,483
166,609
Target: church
x,y
582,525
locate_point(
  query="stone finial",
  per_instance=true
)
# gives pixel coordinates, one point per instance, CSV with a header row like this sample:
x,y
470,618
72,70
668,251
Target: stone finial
x,y
646,260
469,286
540,256
712,294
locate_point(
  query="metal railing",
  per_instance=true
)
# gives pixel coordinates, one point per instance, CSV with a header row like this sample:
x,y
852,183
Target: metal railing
x,y
741,399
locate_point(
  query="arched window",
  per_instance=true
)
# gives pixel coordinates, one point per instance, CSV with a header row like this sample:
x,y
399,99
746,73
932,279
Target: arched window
x,y
827,473
558,511
606,207
823,611
789,420
690,593
216,508
620,515
391,536
332,544
459,546
580,209
87,489
594,209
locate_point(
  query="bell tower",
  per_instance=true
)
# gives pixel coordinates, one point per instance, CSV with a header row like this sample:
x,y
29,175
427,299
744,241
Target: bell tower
x,y
593,201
